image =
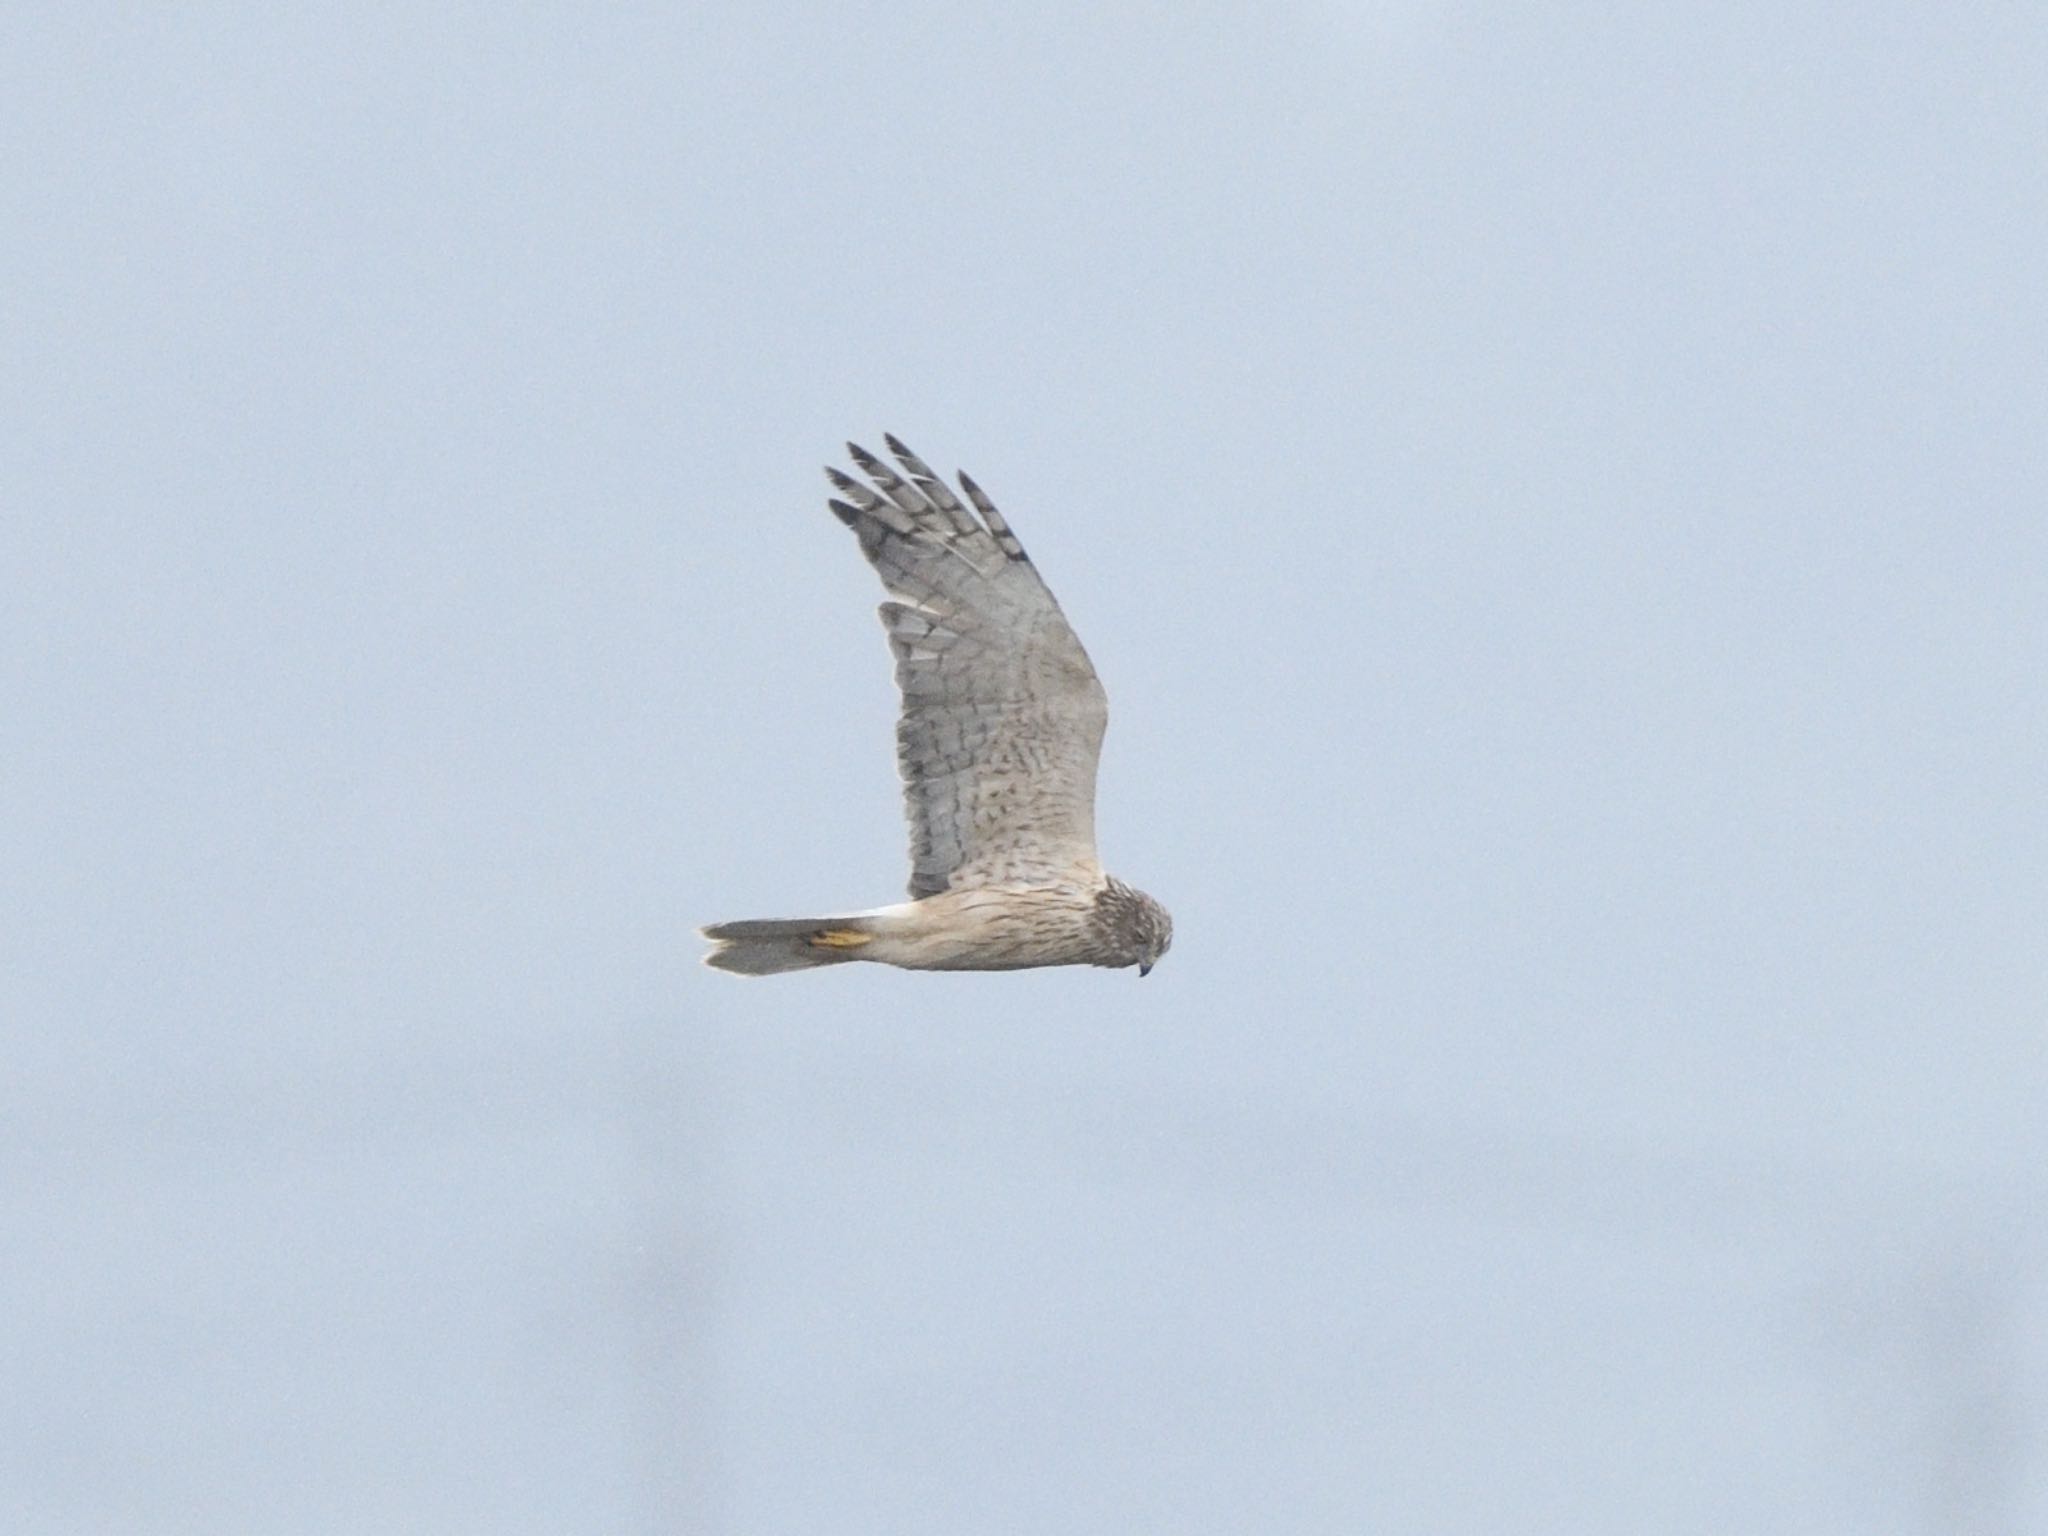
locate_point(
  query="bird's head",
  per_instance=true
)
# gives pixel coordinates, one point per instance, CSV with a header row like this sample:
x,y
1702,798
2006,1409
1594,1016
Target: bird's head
x,y
1139,929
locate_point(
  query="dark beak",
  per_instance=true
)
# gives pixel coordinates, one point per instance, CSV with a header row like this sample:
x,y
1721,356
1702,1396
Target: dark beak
x,y
1145,969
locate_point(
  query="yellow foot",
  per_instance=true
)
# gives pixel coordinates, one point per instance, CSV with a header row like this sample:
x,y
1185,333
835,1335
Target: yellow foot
x,y
841,938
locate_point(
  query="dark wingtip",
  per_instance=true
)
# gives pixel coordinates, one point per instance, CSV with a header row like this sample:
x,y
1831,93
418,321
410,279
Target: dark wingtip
x,y
863,458
840,478
896,446
844,513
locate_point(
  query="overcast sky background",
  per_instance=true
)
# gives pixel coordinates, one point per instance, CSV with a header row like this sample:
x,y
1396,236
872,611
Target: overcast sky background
x,y
1557,499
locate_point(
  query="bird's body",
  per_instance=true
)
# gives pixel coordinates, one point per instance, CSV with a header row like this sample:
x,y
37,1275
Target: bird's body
x,y
1001,728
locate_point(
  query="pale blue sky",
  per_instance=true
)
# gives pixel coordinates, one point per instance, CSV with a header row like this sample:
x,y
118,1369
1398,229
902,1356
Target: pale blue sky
x,y
1557,501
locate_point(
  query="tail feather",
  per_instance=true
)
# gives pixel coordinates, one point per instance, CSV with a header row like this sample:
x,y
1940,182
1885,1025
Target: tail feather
x,y
770,946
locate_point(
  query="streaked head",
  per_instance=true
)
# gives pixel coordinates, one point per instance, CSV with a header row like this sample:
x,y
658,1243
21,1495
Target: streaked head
x,y
1136,929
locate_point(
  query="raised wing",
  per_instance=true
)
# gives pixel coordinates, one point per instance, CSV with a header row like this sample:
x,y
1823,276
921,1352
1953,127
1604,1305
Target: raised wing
x,y
1002,713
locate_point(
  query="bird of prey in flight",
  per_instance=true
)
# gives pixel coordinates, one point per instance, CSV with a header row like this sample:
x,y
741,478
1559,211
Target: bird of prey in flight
x,y
1001,728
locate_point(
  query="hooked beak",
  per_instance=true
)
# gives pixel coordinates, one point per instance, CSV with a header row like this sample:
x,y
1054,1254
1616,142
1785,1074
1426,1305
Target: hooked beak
x,y
1145,968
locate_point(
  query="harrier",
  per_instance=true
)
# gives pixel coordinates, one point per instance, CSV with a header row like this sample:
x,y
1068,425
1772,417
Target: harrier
x,y
1001,728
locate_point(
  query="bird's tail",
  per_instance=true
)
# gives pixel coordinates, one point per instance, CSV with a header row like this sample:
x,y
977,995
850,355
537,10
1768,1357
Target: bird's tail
x,y
770,946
